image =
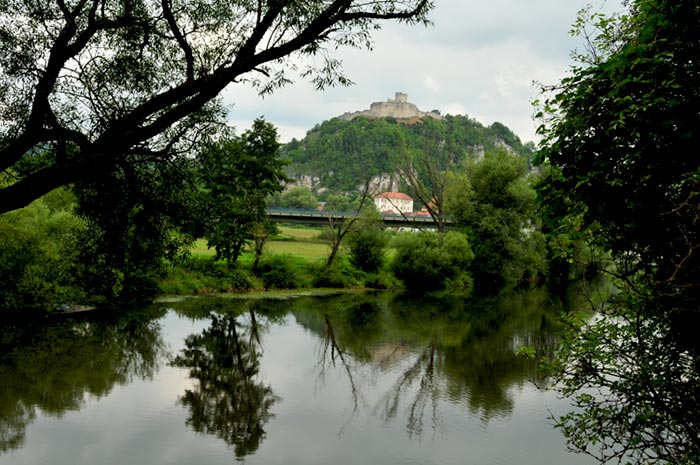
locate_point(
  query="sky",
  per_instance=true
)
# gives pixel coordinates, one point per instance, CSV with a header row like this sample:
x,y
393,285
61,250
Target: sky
x,y
479,58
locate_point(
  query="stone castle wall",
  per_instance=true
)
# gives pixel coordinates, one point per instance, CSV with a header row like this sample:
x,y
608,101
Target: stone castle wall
x,y
397,107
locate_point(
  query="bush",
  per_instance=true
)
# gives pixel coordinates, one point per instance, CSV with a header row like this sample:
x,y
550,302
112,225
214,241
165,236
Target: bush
x,y
431,261
339,275
367,249
326,234
197,275
38,256
330,277
203,275
381,280
282,272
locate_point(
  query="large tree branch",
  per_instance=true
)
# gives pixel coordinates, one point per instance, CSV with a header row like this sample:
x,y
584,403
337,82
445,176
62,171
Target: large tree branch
x,y
158,112
421,8
22,193
68,44
179,37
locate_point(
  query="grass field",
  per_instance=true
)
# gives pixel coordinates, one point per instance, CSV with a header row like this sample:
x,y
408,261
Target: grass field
x,y
299,233
200,249
299,241
311,251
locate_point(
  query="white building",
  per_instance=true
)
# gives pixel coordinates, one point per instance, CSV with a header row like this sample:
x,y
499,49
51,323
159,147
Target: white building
x,y
393,202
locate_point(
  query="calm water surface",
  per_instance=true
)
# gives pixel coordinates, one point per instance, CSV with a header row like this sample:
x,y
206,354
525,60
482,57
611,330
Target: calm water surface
x,y
350,379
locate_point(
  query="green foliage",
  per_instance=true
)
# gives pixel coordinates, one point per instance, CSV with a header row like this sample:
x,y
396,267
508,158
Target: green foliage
x,y
341,203
237,174
367,249
150,88
494,201
620,136
282,272
39,251
431,261
296,197
343,154
633,382
383,279
203,276
326,234
338,275
131,212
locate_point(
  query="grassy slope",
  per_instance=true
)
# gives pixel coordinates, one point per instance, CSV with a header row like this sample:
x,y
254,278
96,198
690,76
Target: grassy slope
x,y
299,241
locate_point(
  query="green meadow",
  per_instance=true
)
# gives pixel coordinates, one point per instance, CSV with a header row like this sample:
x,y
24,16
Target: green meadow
x,y
302,242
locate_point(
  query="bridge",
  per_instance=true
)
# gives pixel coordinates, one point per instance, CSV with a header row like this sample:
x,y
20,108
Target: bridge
x,y
322,217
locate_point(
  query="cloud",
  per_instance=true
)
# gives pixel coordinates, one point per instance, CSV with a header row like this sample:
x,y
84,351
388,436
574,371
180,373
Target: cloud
x,y
478,59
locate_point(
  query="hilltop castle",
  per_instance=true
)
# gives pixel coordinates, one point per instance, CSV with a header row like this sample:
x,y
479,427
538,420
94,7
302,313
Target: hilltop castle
x,y
397,107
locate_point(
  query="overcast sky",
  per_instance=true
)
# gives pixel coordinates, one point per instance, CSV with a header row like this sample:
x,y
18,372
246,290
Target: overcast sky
x,y
479,58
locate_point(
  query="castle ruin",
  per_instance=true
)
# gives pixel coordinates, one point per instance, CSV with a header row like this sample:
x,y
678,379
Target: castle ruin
x,y
398,107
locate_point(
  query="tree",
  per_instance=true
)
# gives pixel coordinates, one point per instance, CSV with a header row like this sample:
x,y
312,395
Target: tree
x,y
619,141
494,202
339,227
430,261
97,84
620,136
634,384
338,155
132,216
298,197
261,231
424,170
237,175
363,215
340,203
367,247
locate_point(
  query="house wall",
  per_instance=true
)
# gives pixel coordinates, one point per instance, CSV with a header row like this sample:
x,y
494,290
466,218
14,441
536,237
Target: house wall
x,y
394,205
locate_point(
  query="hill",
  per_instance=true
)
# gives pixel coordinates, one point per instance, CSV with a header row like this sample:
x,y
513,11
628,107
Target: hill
x,y
340,154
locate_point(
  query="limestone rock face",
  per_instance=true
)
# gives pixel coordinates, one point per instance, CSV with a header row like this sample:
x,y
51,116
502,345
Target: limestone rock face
x,y
398,107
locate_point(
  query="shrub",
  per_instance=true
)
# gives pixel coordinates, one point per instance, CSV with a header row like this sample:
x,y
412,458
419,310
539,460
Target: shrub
x,y
326,234
431,261
281,272
381,280
203,275
38,256
367,249
339,275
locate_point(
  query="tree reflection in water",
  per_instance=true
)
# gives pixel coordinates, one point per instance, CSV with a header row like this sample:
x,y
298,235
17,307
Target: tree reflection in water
x,y
227,401
422,372
441,351
51,366
330,354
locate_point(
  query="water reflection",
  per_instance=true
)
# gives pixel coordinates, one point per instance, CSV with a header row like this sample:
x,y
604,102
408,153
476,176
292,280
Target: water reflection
x,y
52,366
227,400
366,378
436,351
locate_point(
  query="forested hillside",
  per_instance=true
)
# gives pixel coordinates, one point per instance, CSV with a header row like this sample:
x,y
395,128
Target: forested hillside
x,y
341,155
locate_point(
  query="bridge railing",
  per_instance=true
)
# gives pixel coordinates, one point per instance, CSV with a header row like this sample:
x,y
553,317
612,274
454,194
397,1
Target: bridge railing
x,y
299,213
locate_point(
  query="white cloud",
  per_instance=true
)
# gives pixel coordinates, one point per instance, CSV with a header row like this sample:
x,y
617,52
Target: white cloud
x,y
479,59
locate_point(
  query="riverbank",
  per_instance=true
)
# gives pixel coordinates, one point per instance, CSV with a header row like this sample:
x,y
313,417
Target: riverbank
x,y
294,259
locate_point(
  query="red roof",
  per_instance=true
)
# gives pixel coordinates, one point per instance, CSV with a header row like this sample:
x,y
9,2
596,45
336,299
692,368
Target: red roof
x,y
393,196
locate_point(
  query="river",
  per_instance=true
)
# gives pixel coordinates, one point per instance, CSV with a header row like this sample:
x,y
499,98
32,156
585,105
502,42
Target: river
x,y
345,379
